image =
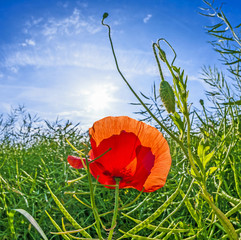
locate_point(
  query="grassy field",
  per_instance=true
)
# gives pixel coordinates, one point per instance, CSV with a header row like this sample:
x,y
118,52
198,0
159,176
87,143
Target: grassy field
x,y
33,156
38,155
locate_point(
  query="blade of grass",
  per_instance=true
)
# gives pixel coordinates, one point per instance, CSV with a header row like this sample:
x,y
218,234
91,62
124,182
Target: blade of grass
x,y
32,221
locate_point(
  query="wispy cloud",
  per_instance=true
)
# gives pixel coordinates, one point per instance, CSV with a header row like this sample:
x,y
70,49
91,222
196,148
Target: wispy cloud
x,y
67,53
90,100
28,42
68,41
72,25
147,18
59,65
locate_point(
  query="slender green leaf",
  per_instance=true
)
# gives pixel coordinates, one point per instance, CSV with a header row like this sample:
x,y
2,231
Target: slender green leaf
x,y
32,221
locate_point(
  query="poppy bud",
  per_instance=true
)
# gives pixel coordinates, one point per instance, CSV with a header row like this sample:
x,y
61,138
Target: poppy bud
x,y
162,55
105,15
167,96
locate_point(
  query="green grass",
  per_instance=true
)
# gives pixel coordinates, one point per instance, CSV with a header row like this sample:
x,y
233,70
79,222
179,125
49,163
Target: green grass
x,y
41,158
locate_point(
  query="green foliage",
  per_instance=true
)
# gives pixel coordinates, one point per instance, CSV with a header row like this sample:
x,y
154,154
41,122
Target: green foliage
x,y
33,152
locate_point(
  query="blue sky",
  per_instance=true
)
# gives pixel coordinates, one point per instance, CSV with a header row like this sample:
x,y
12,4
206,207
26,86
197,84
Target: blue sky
x,y
55,56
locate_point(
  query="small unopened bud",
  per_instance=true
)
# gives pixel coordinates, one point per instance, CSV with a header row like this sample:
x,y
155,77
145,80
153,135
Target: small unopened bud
x,y
162,55
167,96
201,102
105,15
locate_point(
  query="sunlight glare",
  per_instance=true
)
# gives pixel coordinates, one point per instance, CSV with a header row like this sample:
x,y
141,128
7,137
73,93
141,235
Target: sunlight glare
x,y
101,97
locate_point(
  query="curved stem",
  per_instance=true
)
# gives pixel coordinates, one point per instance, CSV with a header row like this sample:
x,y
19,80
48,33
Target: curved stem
x,y
138,98
154,45
164,40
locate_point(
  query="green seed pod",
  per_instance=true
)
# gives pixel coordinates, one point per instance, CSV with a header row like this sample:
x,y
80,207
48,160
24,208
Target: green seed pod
x,y
167,96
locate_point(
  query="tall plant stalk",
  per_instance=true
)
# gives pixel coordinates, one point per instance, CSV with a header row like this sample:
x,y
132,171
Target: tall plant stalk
x,y
181,93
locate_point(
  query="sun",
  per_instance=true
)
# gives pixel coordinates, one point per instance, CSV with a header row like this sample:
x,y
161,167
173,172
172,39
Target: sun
x,y
101,97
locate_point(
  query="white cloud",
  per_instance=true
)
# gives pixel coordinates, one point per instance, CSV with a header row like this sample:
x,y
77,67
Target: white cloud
x,y
72,25
93,96
197,77
5,106
28,42
147,18
82,4
14,69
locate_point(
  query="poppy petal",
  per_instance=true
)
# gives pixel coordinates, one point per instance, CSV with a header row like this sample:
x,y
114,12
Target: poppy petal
x,y
104,176
76,162
159,172
145,163
121,154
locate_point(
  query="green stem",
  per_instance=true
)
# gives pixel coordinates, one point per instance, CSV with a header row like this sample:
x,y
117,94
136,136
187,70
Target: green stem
x,y
198,175
113,224
225,20
93,206
9,214
223,219
125,206
186,114
138,98
157,60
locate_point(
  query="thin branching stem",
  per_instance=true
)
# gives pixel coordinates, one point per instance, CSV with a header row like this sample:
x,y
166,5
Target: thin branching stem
x,y
171,134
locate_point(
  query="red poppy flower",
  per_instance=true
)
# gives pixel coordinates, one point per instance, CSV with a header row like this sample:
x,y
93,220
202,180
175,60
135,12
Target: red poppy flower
x,y
139,154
